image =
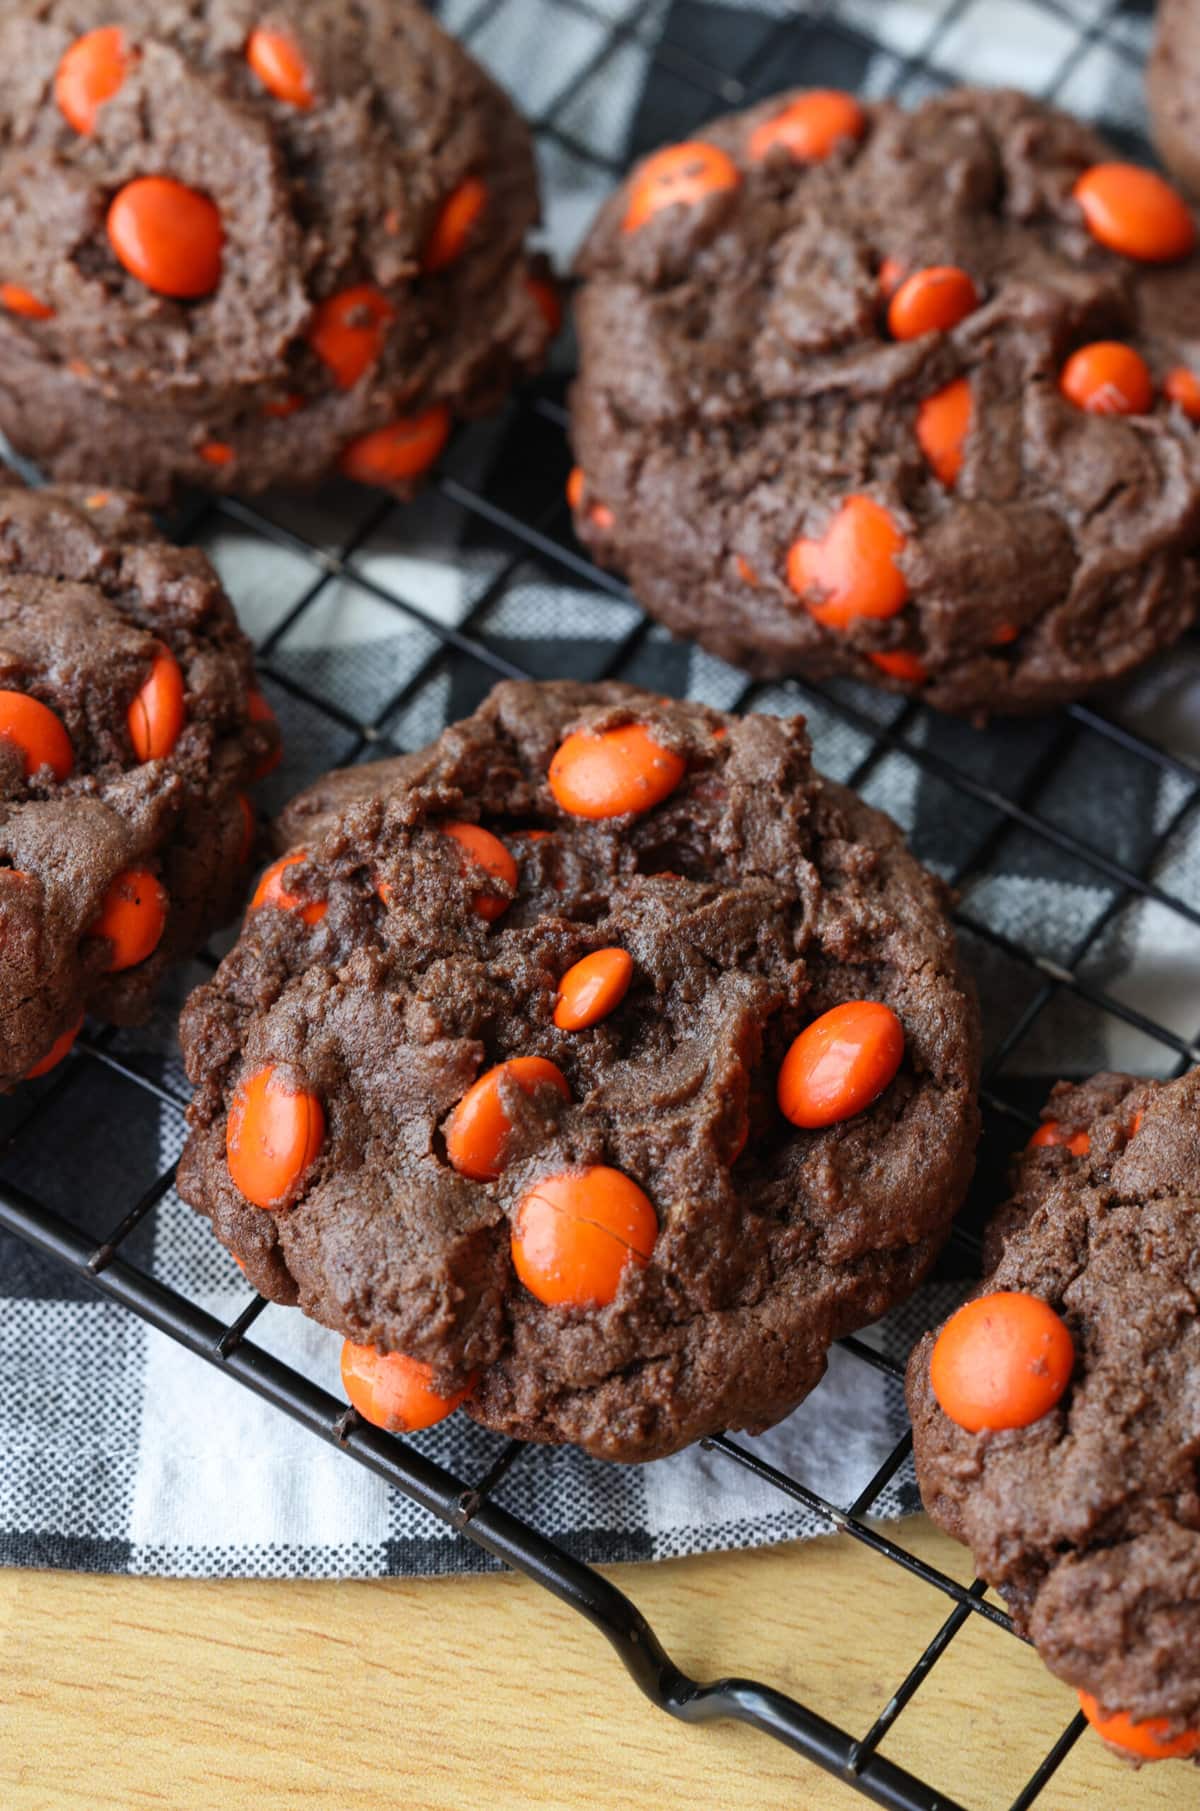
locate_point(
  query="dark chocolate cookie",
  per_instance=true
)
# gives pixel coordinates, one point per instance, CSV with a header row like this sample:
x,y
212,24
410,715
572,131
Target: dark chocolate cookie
x,y
129,729
1173,89
897,394
569,1188
1087,1515
249,245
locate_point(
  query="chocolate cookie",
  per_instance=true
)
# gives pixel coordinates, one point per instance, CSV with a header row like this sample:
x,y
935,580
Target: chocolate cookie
x,y
901,395
490,1079
249,245
129,729
1077,1365
1173,90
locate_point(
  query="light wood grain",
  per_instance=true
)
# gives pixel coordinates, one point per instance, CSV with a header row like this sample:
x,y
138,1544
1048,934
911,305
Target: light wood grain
x,y
451,1694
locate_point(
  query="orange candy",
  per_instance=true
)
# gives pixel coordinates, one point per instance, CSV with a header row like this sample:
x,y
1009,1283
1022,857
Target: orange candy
x,y
280,66
899,664
399,452
617,771
943,423
592,988
1004,634
216,452
271,1137
853,566
1052,1133
840,1063
1135,212
133,915
453,226
488,853
1001,1361
810,127
575,484
259,711
156,715
931,301
283,406
348,330
891,275
477,1130
573,1235
678,176
24,302
37,732
1150,1740
1108,378
1182,387
271,891
167,236
90,73
549,302
56,1052
394,1392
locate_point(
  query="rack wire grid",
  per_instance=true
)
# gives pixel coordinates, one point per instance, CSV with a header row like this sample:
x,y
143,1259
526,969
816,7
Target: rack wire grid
x,y
1033,798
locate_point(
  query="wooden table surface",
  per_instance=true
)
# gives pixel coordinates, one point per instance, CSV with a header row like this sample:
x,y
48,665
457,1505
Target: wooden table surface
x,y
459,1693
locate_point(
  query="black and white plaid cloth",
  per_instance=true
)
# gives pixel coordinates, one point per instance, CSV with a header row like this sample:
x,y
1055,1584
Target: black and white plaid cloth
x,y
119,1451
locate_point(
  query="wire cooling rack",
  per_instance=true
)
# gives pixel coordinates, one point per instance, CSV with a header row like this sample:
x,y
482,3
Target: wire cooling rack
x,y
1022,797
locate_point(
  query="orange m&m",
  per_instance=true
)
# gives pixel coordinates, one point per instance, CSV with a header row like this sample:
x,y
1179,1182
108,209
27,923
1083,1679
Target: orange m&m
x,y
1135,212
89,73
41,737
1051,1133
1182,387
931,301
280,66
678,176
394,1392
899,664
454,224
168,236
56,1052
23,302
891,275
1001,1361
1150,1740
133,915
488,853
592,988
271,891
348,330
574,1234
613,772
811,127
840,1063
155,717
401,451
851,571
272,1135
477,1130
943,423
1108,378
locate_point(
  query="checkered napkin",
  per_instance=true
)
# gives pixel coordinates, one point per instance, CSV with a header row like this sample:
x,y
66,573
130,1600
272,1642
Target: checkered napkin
x,y
119,1451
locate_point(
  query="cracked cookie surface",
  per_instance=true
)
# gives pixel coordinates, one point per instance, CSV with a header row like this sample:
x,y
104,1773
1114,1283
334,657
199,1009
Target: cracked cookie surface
x,y
1088,1519
751,897
122,662
778,344
363,191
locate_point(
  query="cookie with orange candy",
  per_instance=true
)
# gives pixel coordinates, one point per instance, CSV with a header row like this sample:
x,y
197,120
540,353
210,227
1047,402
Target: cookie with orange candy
x,y
251,244
1055,1414
594,1067
130,733
910,396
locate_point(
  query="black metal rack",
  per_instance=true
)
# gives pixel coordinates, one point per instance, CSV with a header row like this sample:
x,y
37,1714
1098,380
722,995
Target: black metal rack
x,y
1005,784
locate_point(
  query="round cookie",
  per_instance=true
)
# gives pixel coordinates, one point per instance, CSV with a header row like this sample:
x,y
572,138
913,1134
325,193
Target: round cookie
x,y
130,729
829,419
1087,1517
1173,90
249,245
619,1240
